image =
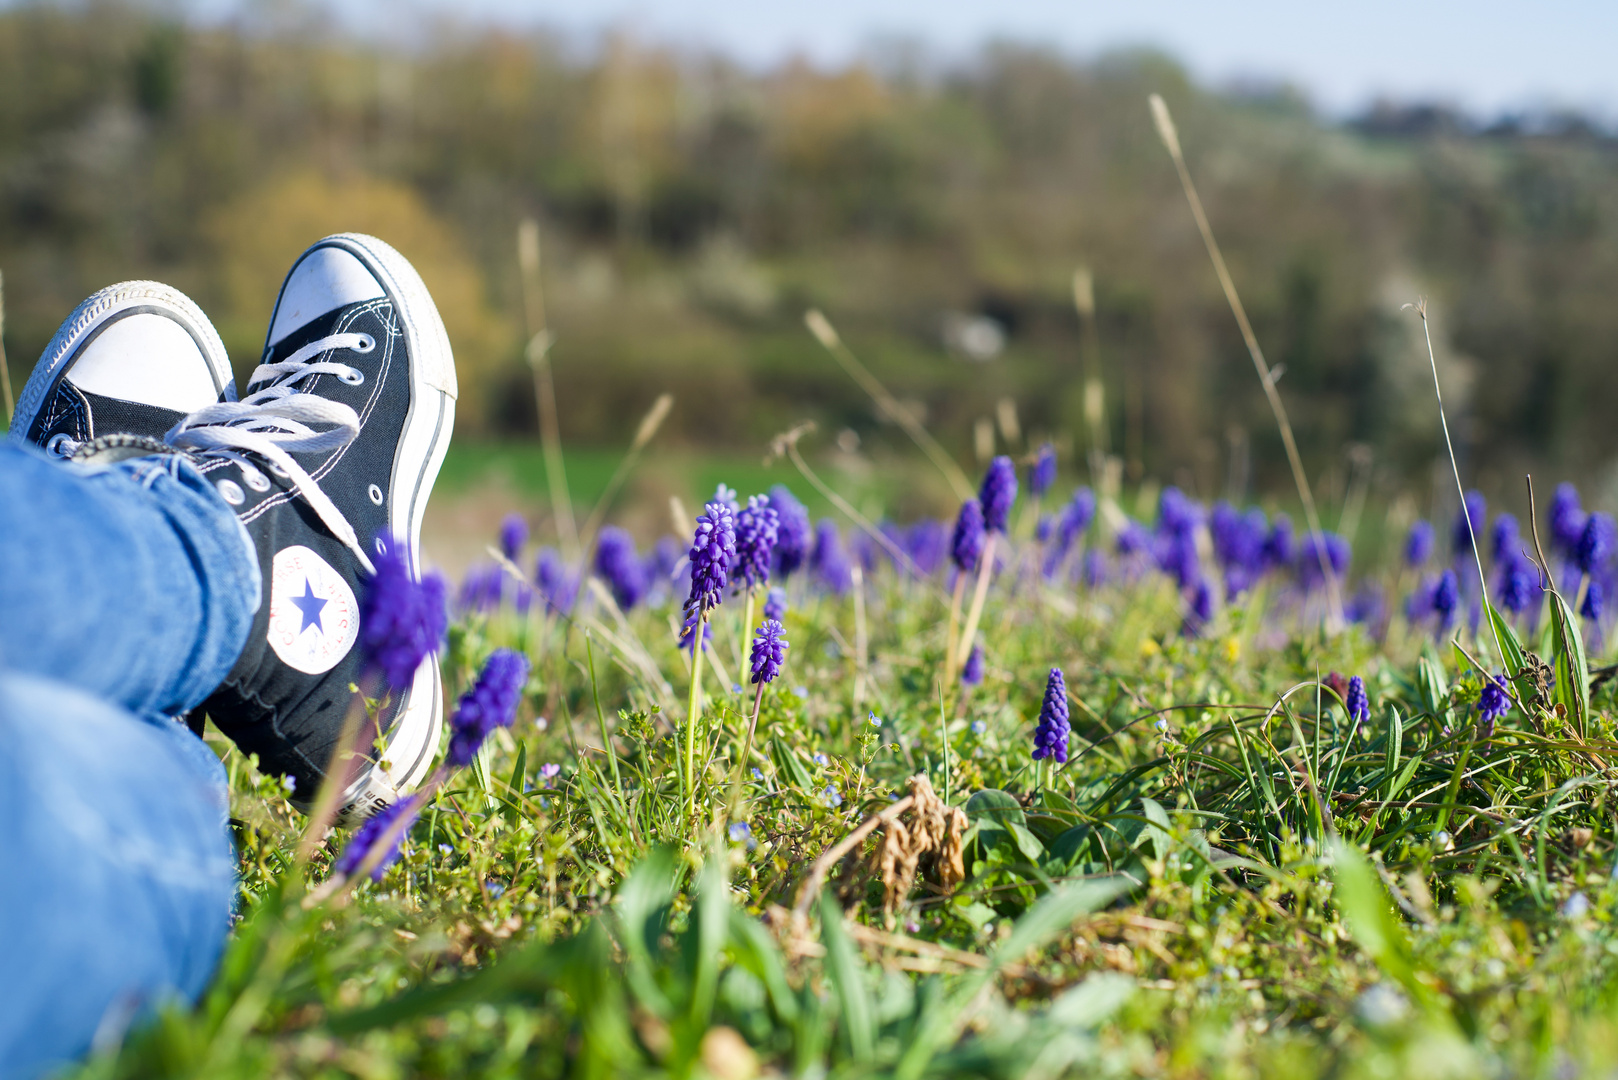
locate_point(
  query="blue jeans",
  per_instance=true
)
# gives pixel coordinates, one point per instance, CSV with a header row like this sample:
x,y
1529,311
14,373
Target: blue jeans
x,y
126,593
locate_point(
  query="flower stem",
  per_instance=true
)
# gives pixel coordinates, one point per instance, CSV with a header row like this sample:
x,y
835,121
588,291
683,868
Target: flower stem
x,y
950,662
985,571
691,719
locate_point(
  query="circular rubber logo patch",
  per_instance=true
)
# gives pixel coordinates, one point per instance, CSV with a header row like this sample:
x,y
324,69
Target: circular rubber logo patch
x,y
314,619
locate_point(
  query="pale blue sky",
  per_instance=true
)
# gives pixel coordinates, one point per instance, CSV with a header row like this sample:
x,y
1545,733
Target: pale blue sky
x,y
1485,55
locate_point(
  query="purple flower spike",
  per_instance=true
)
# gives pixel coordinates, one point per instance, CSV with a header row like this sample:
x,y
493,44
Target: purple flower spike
x,y
558,585
775,605
998,492
757,532
1094,569
972,670
793,536
1519,581
1050,736
1309,569
1201,609
1503,537
1279,547
1419,544
372,830
927,542
513,535
620,566
491,703
1595,598
830,560
402,619
769,651
1359,705
1445,597
1493,703
713,549
1469,522
1567,518
1043,474
966,543
1596,543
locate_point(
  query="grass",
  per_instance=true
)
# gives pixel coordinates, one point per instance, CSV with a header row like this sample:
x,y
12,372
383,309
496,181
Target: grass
x,y
1226,879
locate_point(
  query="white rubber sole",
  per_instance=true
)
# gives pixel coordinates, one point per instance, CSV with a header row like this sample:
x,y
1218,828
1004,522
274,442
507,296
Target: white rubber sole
x,y
98,311
414,737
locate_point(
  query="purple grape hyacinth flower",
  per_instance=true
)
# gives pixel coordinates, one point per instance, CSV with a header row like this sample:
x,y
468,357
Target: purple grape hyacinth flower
x,y
1493,703
757,532
1050,735
1519,581
1469,522
830,561
370,832
927,542
1279,547
972,670
1446,596
997,494
792,532
1596,543
558,585
1567,518
1076,517
1093,569
1503,537
1200,612
1595,602
490,703
1310,572
620,566
1418,544
769,651
966,543
1043,474
513,536
402,619
1359,704
775,604
713,550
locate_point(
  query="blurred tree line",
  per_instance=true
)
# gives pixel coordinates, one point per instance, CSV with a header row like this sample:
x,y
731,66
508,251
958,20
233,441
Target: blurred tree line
x,y
693,209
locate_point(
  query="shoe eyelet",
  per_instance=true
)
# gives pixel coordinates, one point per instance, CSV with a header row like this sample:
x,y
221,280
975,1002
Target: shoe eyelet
x,y
256,480
352,378
54,446
231,492
367,343
376,494
280,471
381,546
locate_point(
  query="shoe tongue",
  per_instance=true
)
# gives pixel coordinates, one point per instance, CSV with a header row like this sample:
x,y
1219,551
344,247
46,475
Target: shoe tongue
x,y
325,280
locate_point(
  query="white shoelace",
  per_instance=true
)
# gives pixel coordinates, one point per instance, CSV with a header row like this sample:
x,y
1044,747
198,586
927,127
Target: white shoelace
x,y
274,422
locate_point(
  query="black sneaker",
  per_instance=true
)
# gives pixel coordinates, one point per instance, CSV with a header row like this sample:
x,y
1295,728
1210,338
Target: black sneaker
x,y
334,448
133,359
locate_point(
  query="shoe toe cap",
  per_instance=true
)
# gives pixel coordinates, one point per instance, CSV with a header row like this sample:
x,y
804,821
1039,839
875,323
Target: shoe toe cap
x,y
147,358
325,279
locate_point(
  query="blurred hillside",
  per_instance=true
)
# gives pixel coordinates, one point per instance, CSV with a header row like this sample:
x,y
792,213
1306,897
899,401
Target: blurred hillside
x,y
691,211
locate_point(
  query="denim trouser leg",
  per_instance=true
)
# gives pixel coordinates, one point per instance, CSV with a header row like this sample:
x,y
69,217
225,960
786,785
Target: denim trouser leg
x,y
125,596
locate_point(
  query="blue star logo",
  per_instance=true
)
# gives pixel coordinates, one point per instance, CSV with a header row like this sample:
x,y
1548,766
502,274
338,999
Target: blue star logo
x,y
310,605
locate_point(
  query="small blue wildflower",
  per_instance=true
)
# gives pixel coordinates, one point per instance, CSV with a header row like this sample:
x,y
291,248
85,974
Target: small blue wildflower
x,y
549,771
495,889
875,720
402,619
775,605
1418,544
513,535
1051,734
757,775
998,492
831,796
1576,906
1043,474
966,543
490,703
821,759
735,688
742,833
972,670
979,727
370,834
769,651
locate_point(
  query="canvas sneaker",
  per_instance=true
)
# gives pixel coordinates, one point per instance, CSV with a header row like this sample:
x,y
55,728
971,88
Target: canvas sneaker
x,y
332,451
134,358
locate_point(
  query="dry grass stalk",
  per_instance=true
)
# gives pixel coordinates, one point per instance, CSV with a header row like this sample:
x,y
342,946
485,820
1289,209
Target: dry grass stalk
x,y
1171,141
538,351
